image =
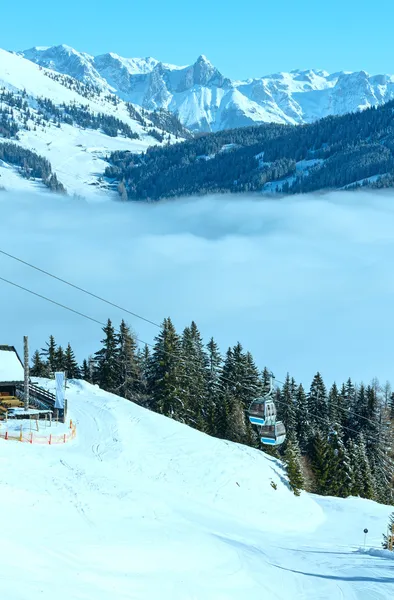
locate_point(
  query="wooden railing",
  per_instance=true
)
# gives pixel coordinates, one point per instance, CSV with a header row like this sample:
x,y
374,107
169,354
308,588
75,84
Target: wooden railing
x,y
43,398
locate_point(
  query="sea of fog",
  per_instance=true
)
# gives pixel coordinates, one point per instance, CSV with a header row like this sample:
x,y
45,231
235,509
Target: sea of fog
x,y
304,283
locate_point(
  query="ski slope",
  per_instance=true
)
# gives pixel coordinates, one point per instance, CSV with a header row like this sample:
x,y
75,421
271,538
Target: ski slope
x,y
141,507
77,155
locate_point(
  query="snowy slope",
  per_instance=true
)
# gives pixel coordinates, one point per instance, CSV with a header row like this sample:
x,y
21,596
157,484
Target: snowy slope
x,y
149,508
76,154
205,100
78,157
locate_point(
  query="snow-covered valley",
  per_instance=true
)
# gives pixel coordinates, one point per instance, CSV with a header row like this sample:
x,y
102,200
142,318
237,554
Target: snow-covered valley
x,y
139,506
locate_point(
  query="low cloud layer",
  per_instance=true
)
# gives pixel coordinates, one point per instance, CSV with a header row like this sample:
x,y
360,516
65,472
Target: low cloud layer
x,y
304,283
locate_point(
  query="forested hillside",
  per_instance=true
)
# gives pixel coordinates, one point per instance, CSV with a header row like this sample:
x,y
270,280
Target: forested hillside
x,y
338,442
335,152
31,165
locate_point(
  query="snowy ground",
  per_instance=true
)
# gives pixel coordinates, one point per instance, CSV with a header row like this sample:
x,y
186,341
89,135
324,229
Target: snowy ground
x,y
77,155
138,506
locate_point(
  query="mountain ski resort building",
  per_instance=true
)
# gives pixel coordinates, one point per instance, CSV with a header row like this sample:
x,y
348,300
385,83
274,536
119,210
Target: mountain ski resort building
x,y
20,397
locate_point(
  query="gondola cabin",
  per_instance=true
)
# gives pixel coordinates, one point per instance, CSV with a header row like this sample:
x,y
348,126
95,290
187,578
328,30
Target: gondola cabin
x,y
273,435
262,412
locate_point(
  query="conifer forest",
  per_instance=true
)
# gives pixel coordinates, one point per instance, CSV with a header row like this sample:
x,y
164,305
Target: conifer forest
x,y
339,438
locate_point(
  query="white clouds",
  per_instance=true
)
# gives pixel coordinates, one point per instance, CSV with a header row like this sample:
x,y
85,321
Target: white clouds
x,y
304,283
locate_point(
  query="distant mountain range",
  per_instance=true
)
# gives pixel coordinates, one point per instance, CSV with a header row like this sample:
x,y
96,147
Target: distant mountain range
x,y
95,126
205,100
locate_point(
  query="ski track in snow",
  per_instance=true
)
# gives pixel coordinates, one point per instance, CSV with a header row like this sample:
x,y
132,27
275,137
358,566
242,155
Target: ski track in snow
x,y
139,506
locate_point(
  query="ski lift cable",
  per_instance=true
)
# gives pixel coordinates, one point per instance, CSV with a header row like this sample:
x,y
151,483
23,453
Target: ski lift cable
x,y
101,323
92,319
77,287
113,304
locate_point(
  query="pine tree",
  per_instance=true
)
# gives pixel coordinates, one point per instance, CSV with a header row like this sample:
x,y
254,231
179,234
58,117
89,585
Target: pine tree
x,y
252,382
221,414
166,375
214,370
39,368
49,353
377,436
70,364
391,405
358,420
317,404
213,384
240,383
293,467
362,474
265,381
59,362
195,364
336,412
144,365
388,538
240,377
387,393
106,372
343,475
286,405
87,370
322,463
237,430
304,430
349,395
129,368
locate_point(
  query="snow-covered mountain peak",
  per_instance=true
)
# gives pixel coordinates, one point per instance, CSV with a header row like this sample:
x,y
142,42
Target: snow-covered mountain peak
x,y
204,98
203,59
47,52
204,73
134,66
73,125
66,60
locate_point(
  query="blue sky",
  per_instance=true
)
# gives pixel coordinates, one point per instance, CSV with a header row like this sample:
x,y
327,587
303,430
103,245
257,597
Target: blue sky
x,y
243,39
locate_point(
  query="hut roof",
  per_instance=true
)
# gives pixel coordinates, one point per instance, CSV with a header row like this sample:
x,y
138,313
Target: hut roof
x,y
11,367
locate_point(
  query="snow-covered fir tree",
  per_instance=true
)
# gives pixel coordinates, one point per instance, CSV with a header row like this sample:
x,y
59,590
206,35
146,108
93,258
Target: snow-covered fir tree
x,y
70,364
167,373
129,371
195,363
388,537
106,372
344,436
